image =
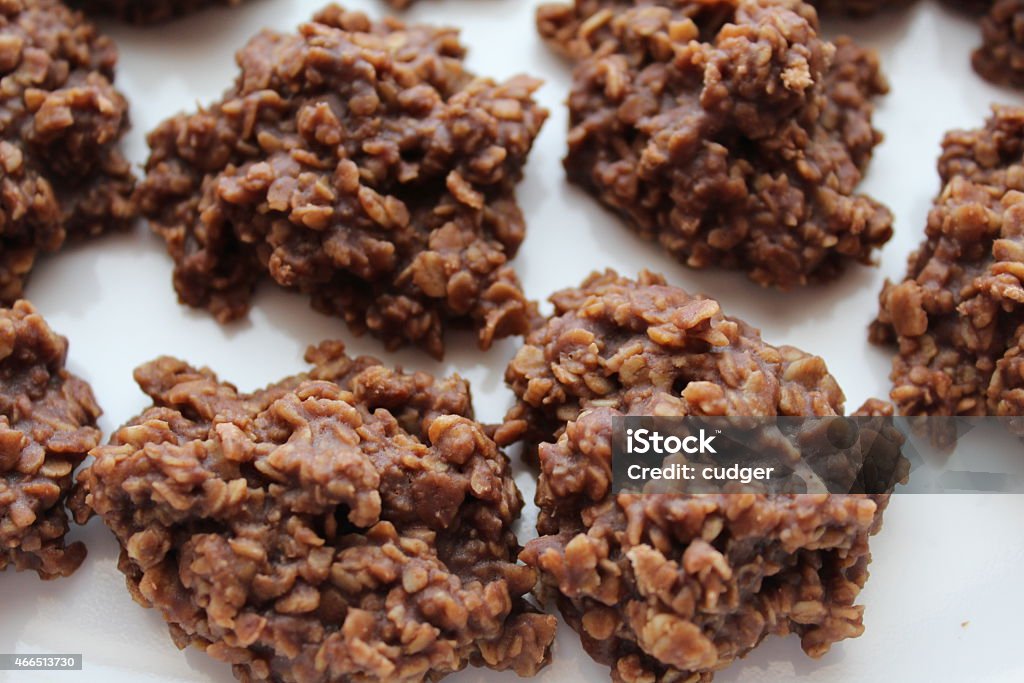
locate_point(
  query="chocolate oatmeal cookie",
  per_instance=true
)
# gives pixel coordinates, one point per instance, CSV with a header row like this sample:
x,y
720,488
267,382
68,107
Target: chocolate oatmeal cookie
x,y
361,164
674,587
957,318
729,131
63,174
47,425
1000,59
147,11
349,524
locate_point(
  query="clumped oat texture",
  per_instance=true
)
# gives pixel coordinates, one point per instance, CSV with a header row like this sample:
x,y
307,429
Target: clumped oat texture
x,y
47,426
729,131
1000,58
146,11
63,176
957,318
349,524
361,164
673,587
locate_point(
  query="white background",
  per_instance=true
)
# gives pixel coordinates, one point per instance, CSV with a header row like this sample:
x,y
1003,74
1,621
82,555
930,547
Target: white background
x,y
945,599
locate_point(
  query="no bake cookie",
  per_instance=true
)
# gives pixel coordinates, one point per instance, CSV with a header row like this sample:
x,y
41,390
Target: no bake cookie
x,y
730,132
674,587
360,163
351,523
956,319
1000,58
47,426
63,175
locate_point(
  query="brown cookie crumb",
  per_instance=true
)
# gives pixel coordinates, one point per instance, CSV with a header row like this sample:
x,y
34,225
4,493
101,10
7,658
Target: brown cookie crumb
x,y
351,523
957,317
147,11
47,426
731,132
674,587
63,174
1000,59
361,164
